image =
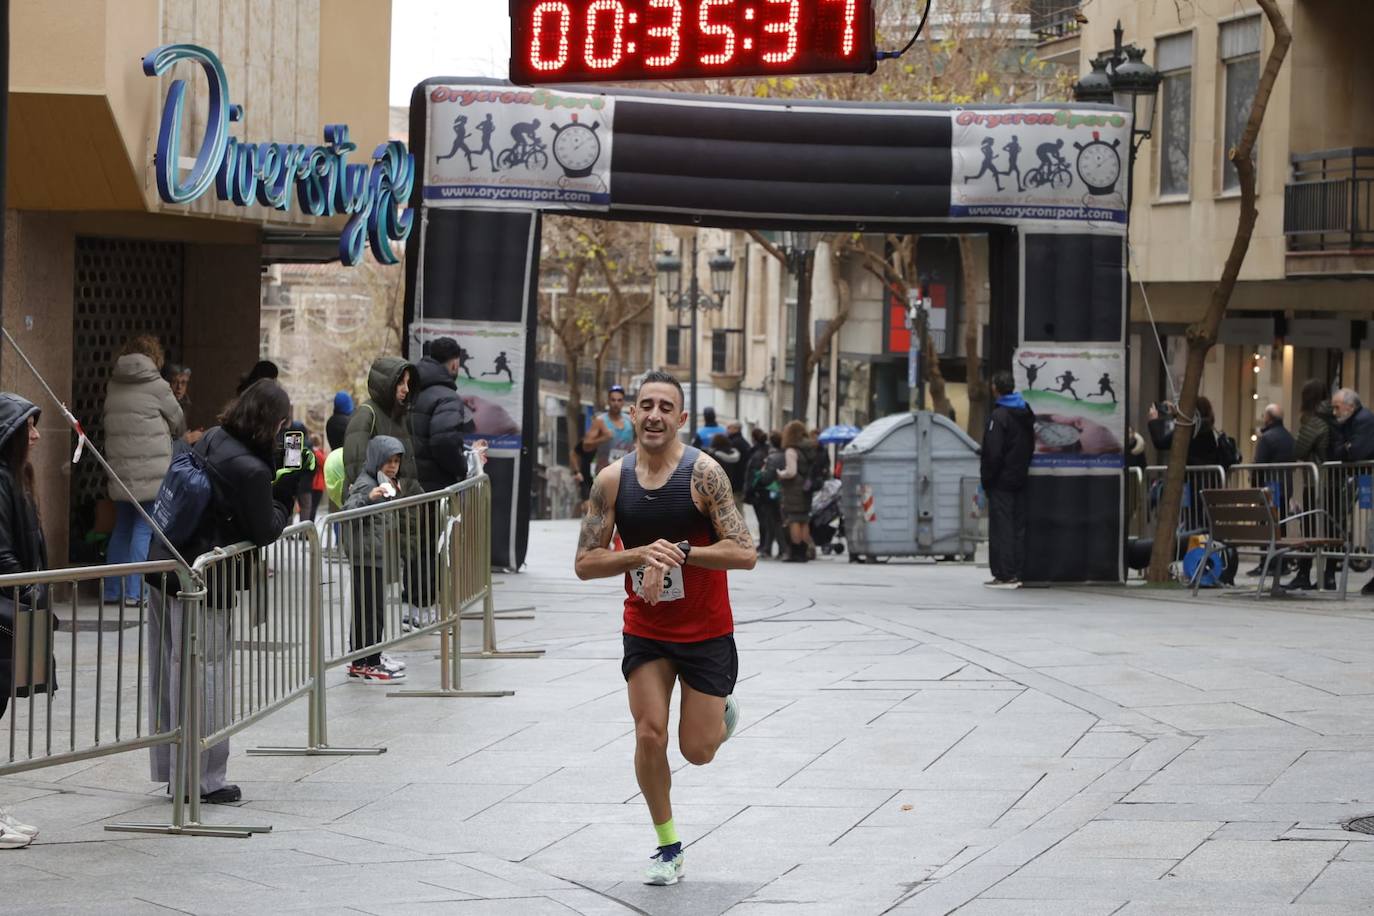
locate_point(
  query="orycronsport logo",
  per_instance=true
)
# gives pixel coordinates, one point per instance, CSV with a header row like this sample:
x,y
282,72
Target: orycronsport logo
x,y
541,97
1061,118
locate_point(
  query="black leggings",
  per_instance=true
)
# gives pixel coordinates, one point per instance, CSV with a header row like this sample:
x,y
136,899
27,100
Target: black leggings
x,y
369,605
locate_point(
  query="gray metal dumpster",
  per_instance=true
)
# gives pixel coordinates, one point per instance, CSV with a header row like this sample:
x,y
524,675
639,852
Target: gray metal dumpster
x,y
903,488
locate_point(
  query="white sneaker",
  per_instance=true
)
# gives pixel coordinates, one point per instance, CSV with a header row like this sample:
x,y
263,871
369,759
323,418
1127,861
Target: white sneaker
x,y
13,839
663,874
393,664
7,821
406,623
731,716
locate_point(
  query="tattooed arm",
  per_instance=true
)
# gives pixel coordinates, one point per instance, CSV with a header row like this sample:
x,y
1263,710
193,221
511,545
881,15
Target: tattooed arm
x,y
595,558
712,493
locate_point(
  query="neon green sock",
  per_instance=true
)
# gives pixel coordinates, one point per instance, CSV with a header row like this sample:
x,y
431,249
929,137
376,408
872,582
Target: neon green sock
x,y
667,833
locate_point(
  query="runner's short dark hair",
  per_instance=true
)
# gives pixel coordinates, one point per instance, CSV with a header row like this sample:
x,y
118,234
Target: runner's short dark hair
x,y
664,378
1003,383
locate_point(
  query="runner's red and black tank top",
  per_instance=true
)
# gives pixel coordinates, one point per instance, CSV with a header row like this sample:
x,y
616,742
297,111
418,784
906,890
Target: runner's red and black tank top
x,y
642,517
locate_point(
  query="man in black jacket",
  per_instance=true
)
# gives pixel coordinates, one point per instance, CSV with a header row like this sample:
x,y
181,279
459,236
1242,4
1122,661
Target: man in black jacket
x,y
1008,444
336,427
735,472
439,418
1354,427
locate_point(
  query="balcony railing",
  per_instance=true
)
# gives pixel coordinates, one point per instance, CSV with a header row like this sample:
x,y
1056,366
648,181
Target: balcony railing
x,y
1051,19
1328,204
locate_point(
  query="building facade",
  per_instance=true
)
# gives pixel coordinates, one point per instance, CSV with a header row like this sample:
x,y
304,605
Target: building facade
x,y
94,256
1305,297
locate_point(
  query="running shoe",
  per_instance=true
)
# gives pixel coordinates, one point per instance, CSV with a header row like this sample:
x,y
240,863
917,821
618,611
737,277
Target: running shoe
x,y
374,674
664,872
393,664
406,623
1005,583
8,822
731,716
13,839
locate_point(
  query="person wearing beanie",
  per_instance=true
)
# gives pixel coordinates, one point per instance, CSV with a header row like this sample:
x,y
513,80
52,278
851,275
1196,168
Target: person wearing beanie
x,y
337,424
440,419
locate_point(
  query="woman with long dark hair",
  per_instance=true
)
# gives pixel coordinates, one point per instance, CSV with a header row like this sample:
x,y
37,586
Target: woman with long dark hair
x,y
22,549
251,501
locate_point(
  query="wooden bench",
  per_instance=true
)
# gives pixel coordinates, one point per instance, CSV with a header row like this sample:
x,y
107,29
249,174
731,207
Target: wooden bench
x,y
1247,518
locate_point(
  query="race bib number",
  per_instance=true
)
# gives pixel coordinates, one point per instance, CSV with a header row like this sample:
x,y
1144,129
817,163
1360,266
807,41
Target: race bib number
x,y
673,587
616,454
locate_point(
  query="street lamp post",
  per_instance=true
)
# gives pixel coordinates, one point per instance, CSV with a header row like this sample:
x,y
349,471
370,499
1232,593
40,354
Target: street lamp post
x,y
669,266
799,246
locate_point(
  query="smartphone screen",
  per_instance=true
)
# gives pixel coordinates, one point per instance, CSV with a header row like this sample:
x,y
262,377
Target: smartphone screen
x,y
295,444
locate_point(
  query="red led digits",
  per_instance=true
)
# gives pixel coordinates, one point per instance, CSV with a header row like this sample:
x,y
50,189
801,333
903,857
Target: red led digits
x,y
788,28
671,30
563,41
720,30
596,28
541,12
851,9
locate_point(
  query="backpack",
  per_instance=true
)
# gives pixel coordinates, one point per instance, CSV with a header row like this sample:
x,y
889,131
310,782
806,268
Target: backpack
x,y
182,499
1227,450
817,471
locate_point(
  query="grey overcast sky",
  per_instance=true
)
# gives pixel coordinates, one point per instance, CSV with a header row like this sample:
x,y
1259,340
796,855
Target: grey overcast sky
x,y
446,38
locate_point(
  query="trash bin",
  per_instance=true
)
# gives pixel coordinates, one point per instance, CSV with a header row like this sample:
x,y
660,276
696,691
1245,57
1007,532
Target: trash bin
x,y
902,488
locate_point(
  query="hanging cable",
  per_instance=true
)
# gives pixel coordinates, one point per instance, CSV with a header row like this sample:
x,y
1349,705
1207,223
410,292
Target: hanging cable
x,y
920,27
1154,326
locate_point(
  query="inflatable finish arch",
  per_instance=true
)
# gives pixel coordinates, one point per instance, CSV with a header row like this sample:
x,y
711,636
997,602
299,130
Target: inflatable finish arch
x,y
1047,181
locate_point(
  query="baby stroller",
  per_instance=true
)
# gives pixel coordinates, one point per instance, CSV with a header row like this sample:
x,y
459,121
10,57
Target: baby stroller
x,y
827,524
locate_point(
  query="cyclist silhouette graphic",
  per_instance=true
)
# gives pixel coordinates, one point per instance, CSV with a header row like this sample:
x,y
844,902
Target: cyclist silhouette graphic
x,y
528,149
1013,150
1066,382
1053,169
1105,388
501,366
989,164
1031,372
460,142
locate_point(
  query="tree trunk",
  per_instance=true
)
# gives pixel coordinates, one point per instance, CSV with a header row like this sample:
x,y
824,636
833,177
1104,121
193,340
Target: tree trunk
x,y
574,414
935,376
1203,334
973,327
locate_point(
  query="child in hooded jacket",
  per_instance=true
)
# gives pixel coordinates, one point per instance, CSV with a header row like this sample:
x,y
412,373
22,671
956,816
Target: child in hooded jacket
x,y
373,544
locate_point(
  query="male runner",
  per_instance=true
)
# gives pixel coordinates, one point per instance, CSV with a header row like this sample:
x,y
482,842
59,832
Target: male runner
x,y
677,519
611,434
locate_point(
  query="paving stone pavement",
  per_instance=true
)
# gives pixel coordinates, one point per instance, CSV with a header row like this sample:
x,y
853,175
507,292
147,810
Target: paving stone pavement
x,y
910,743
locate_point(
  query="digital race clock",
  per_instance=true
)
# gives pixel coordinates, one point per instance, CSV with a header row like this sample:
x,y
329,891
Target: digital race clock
x,y
559,41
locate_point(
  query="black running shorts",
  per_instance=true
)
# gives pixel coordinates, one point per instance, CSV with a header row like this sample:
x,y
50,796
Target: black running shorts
x,y
710,666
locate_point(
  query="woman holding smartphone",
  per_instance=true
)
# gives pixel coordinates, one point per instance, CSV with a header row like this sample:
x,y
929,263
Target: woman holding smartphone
x,y
252,501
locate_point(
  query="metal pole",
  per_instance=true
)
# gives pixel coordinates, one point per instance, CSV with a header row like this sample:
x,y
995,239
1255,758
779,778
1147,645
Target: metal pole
x,y
803,345
692,304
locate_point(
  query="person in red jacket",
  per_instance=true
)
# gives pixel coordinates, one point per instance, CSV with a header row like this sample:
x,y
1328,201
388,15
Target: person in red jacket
x,y
317,484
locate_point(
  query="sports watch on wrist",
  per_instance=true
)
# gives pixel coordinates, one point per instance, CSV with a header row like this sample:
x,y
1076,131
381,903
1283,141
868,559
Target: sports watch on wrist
x,y
686,549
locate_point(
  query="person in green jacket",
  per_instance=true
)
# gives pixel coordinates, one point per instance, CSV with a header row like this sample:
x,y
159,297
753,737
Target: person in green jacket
x,y
384,413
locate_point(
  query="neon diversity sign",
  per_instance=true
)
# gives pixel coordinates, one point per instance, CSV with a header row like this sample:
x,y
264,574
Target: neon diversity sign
x,y
325,183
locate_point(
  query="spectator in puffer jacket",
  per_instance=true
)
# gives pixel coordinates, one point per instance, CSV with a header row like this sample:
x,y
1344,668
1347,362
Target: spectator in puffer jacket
x,y
251,501
440,419
142,419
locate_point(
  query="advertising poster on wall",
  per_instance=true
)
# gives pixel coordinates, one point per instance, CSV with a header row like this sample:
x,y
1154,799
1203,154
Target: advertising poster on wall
x,y
524,149
490,376
1057,166
1078,395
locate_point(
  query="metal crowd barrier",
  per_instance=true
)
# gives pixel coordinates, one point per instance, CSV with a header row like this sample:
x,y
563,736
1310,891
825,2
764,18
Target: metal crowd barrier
x,y
1191,517
85,682
1347,495
217,649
